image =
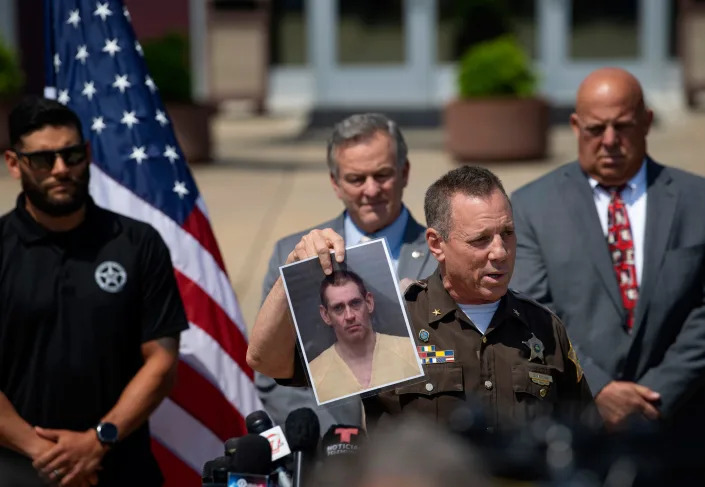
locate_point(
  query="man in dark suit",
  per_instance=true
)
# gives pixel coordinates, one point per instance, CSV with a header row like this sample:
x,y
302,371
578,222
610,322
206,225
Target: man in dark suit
x,y
615,244
369,169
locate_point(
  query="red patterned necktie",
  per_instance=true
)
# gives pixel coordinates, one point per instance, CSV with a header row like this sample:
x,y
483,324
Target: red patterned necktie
x,y
621,245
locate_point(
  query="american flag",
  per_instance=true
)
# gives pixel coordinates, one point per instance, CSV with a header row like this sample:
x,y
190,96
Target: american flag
x,y
95,66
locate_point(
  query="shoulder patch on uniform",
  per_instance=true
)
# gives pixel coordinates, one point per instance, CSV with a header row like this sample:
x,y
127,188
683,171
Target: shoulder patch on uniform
x,y
573,357
415,288
528,299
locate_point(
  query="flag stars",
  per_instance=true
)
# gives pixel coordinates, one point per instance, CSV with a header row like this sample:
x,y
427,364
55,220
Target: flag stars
x,y
138,154
138,48
111,47
89,89
180,189
64,97
98,125
161,118
74,18
129,119
82,54
170,153
126,13
121,83
57,62
150,84
102,11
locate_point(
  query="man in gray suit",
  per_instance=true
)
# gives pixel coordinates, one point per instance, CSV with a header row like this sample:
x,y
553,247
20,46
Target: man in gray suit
x,y
369,169
615,244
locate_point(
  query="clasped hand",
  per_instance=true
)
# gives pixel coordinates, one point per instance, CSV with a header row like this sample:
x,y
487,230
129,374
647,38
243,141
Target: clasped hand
x,y
73,460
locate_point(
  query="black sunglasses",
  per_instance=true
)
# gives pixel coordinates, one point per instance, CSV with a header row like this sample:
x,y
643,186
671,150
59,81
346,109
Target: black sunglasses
x,y
43,160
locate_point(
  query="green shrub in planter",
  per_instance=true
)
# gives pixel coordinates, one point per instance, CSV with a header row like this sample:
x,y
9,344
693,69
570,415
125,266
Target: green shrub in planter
x,y
496,68
11,78
167,60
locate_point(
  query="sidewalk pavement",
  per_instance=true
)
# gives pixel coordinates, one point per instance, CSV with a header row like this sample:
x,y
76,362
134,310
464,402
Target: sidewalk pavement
x,y
268,182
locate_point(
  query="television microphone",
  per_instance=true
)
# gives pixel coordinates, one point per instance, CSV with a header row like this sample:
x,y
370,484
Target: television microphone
x,y
341,441
259,423
209,475
303,432
339,450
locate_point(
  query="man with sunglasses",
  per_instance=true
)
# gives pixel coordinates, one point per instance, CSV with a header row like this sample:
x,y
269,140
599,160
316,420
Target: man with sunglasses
x,y
615,244
90,317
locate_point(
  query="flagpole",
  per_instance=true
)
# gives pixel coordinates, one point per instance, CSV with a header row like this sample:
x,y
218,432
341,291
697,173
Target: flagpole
x,y
49,74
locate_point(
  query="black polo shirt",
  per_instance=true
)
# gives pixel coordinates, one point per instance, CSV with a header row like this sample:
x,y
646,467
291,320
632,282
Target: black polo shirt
x,y
75,308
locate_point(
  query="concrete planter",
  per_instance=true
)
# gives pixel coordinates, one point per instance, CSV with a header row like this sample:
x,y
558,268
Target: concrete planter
x,y
193,129
497,129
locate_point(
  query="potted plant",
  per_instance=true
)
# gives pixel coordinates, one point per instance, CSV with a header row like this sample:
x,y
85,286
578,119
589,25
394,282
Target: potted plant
x,y
11,82
167,60
497,115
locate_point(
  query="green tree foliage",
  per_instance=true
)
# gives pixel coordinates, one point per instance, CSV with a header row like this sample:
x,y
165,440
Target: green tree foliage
x,y
495,68
167,60
11,77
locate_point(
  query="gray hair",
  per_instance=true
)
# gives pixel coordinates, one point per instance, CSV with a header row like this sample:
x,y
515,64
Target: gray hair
x,y
360,127
467,180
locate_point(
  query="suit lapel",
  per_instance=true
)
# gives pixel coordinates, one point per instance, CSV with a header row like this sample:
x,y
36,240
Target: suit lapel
x,y
661,199
585,223
338,225
414,252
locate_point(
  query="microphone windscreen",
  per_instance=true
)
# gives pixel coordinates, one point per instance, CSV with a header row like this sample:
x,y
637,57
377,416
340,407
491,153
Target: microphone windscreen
x,y
258,422
231,446
302,430
342,440
251,454
219,469
207,473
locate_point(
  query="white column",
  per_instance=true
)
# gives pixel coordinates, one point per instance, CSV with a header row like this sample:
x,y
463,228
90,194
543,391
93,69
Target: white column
x,y
553,37
420,25
654,22
198,48
322,42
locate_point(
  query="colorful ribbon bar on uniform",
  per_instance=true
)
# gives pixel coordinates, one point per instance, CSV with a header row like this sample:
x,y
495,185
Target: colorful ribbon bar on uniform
x,y
437,353
437,360
426,348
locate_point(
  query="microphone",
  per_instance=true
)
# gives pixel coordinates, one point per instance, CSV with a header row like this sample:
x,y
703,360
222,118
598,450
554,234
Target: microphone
x,y
247,457
303,431
342,441
215,472
259,423
339,449
250,454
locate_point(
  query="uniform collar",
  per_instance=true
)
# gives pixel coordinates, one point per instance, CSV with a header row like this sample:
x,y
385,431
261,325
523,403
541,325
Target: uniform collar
x,y
29,231
442,304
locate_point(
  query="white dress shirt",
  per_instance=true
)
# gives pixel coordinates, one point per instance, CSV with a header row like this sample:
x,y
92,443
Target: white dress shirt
x,y
634,197
393,233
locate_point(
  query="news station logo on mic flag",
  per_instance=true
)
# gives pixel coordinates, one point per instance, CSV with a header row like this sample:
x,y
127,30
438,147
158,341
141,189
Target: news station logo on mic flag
x,y
94,65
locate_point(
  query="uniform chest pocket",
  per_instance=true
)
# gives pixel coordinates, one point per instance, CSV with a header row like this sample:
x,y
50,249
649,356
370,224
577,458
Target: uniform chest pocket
x,y
440,378
535,391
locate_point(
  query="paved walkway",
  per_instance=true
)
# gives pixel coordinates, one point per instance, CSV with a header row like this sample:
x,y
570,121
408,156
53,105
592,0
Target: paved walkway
x,y
269,182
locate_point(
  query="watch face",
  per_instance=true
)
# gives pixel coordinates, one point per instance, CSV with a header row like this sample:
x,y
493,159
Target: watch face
x,y
107,432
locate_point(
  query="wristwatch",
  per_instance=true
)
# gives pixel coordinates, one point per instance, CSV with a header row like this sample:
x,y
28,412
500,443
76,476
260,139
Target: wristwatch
x,y
107,433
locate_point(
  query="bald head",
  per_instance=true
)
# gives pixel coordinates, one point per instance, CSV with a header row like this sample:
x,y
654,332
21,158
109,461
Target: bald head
x,y
611,123
609,86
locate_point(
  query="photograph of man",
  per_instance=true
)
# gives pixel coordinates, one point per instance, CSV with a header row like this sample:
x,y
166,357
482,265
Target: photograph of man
x,y
361,358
